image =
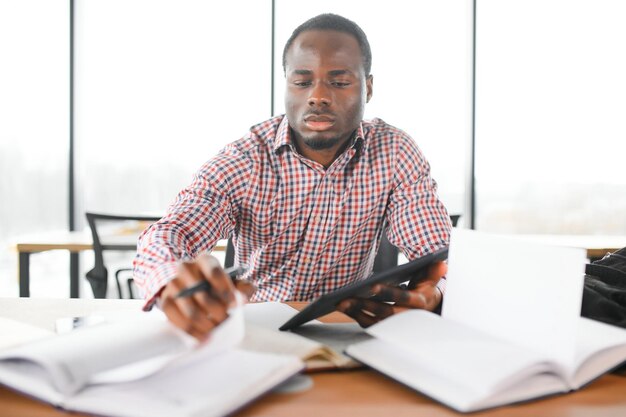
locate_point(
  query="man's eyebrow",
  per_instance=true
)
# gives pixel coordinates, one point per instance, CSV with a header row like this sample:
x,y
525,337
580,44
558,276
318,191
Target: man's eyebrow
x,y
332,73
339,72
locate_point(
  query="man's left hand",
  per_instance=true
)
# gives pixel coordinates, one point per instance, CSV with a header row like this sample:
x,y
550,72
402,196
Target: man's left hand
x,y
424,296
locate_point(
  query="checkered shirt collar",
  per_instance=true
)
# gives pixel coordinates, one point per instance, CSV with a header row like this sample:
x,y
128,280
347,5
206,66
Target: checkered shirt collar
x,y
283,137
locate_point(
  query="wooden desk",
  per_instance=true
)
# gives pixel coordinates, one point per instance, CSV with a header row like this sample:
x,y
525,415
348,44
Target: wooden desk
x,y
362,393
596,245
74,243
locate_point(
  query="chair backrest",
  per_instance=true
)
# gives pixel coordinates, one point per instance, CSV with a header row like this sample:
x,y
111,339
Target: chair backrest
x,y
454,218
98,275
229,259
387,255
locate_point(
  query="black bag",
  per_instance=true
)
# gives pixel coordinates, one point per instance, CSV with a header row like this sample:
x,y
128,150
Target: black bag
x,y
604,295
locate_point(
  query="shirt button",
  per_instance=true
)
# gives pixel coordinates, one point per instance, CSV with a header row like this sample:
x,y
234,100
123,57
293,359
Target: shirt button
x,y
307,260
318,219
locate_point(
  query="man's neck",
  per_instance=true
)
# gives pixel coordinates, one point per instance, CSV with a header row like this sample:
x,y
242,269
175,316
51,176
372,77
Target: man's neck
x,y
324,157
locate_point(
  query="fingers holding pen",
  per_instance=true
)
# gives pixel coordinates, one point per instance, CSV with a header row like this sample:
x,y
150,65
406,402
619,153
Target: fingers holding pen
x,y
209,304
205,276
222,287
184,313
201,311
247,288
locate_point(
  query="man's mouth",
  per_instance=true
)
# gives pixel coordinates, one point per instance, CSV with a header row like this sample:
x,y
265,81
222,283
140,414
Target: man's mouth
x,y
319,122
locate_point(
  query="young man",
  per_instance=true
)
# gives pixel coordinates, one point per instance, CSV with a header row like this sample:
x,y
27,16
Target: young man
x,y
304,197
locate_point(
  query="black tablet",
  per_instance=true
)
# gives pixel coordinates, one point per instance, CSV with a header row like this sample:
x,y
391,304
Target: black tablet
x,y
327,303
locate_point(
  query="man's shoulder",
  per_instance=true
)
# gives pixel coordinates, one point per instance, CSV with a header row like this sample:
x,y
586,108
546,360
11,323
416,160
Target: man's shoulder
x,y
239,157
379,133
258,138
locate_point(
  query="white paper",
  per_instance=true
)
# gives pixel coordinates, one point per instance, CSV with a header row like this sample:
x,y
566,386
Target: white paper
x,y
599,348
270,315
15,333
122,350
464,356
525,292
212,386
462,367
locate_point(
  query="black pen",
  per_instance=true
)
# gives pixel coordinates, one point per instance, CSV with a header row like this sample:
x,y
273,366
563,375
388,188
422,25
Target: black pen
x,y
233,272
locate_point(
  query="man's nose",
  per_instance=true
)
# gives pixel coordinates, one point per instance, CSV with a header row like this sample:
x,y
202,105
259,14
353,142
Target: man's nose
x,y
320,95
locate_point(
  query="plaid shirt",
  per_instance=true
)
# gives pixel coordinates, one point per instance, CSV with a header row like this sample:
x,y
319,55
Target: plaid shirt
x,y
302,229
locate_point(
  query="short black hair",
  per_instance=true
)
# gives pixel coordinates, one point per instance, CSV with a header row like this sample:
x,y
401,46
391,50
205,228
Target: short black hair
x,y
329,21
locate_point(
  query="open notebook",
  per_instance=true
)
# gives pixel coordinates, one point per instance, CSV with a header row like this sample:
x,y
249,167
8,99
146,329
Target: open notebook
x,y
144,367
510,329
133,363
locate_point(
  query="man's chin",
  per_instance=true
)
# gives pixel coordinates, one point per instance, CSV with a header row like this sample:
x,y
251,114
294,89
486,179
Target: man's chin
x,y
320,143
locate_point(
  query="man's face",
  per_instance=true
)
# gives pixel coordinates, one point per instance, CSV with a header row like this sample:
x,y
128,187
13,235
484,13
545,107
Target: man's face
x,y
326,88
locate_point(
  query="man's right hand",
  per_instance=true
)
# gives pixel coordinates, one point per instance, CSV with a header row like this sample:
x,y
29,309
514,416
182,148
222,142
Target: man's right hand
x,y
201,312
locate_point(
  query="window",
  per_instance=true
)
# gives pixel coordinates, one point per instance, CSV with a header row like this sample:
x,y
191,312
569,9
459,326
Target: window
x,y
161,87
550,106
34,132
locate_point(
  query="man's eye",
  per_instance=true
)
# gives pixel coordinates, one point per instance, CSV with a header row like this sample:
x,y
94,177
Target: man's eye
x,y
340,84
302,83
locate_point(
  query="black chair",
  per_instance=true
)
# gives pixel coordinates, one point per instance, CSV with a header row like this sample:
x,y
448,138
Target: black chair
x,y
98,275
229,259
387,255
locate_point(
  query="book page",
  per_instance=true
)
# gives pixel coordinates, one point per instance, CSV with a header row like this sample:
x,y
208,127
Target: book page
x,y
120,351
467,357
524,292
270,315
15,333
317,355
72,358
227,335
261,339
321,345
600,347
336,337
31,379
403,366
212,386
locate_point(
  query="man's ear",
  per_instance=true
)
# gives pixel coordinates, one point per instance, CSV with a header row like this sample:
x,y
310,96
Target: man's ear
x,y
369,85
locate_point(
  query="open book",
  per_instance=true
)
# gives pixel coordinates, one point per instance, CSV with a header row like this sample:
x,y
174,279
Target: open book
x,y
469,370
145,367
319,345
510,329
